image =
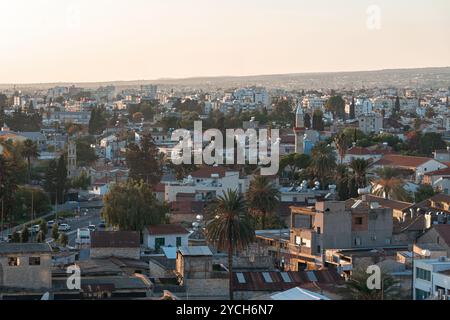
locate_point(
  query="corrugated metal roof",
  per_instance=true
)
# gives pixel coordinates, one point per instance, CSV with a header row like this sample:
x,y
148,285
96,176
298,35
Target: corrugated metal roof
x,y
7,248
195,251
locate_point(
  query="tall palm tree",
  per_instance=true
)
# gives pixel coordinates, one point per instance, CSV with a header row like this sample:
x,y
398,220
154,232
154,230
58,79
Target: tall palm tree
x,y
356,287
390,185
342,178
263,198
360,167
341,142
29,151
230,228
323,162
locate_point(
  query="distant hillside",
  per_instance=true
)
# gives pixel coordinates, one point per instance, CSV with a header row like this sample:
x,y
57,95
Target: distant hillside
x,y
423,77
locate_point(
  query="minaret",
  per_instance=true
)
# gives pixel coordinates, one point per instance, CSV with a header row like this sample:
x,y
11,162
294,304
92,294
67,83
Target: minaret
x,y
299,129
72,159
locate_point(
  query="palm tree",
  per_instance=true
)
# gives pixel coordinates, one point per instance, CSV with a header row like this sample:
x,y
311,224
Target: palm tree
x,y
341,142
360,167
29,151
230,228
356,287
323,162
390,185
343,182
262,198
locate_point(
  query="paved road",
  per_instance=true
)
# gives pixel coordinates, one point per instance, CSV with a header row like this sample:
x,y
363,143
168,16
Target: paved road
x,y
92,206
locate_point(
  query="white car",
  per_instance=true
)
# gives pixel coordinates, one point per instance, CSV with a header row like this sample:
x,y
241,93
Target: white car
x,y
35,229
64,227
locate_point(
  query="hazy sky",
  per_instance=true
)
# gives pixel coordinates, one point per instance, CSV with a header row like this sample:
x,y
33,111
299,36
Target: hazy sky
x,y
100,40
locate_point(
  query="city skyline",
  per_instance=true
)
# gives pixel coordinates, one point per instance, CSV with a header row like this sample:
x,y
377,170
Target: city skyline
x,y
95,41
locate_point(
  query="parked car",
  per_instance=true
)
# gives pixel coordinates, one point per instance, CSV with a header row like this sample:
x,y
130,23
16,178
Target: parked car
x,y
102,225
64,227
35,229
50,224
92,228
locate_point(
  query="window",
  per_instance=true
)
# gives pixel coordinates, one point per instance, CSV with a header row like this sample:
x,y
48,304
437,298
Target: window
x,y
285,277
267,277
159,242
423,274
319,249
241,278
421,295
359,221
34,261
13,261
178,241
318,230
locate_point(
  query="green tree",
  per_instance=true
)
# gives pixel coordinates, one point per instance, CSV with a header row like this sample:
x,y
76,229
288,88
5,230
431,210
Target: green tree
x,y
24,235
29,151
307,120
55,232
360,168
132,206
263,199
323,162
230,229
294,162
336,105
424,192
43,226
98,121
342,182
390,185
15,238
55,181
40,238
83,181
317,121
144,161
356,287
342,142
63,239
352,113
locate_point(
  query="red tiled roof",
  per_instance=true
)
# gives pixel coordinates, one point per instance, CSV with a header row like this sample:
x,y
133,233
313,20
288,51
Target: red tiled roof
x,y
166,229
115,239
396,160
358,151
441,172
207,171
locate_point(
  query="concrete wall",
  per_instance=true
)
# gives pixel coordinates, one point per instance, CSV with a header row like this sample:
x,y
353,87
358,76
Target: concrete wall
x,y
129,253
207,288
432,237
26,276
379,229
170,240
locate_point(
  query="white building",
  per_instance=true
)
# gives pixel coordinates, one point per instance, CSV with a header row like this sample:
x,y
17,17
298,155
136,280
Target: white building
x,y
363,106
207,183
432,279
165,235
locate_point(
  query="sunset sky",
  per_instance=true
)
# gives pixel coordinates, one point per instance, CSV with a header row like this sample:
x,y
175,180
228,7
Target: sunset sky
x,y
105,40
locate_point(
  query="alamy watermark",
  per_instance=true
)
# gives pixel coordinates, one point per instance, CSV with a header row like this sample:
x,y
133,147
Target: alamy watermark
x,y
374,280
241,147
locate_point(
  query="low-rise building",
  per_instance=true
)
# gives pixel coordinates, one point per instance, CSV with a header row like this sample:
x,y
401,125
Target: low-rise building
x,y
165,235
432,279
25,267
122,244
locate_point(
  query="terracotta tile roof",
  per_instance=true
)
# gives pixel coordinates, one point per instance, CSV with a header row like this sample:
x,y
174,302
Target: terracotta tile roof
x,y
396,160
207,171
441,172
440,198
101,181
357,151
115,239
387,203
255,281
162,229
